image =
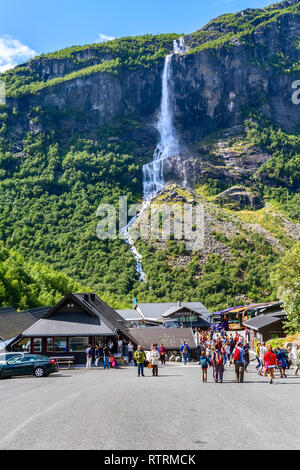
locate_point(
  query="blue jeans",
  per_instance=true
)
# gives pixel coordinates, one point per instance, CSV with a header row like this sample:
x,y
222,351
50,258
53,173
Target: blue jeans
x,y
140,369
258,362
184,357
106,362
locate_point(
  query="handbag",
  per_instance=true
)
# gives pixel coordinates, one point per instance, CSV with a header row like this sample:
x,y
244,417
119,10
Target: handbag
x,y
150,365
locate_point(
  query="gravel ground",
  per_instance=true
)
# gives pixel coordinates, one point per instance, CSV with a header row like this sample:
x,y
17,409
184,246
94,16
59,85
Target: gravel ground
x,y
114,409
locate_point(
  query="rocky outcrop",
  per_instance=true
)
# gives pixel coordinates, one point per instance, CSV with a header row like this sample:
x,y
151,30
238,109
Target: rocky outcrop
x,y
239,198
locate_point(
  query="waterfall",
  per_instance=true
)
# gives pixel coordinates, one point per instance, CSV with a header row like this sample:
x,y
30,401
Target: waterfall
x,y
153,180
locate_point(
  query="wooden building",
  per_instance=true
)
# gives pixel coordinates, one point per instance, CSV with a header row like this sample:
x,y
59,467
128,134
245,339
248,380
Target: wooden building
x,y
71,325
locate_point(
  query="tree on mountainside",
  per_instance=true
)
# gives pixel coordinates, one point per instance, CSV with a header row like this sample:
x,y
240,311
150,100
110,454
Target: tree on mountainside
x,y
286,279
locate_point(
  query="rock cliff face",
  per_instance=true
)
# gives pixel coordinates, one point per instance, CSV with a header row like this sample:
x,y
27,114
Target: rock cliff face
x,y
213,87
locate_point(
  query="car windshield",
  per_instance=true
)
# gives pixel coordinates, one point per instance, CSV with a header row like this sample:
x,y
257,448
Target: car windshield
x,y
4,357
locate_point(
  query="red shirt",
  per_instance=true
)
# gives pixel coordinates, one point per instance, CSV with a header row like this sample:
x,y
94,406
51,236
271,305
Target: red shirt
x,y
270,358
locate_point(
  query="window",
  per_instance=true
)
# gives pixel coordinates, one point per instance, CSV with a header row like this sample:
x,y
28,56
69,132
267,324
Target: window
x,y
37,345
60,344
23,346
79,343
50,344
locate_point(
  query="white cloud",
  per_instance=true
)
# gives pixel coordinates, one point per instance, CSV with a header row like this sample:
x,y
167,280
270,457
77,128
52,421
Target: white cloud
x,y
13,52
104,37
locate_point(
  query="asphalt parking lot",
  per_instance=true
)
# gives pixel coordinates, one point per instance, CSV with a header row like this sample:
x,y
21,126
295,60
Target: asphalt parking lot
x,y
114,409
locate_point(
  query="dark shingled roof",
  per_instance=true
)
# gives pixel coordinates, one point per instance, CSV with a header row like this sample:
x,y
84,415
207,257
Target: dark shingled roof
x,y
99,309
38,312
12,323
48,327
261,321
171,338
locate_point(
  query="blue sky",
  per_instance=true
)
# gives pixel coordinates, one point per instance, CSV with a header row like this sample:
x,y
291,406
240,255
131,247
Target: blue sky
x,y
29,27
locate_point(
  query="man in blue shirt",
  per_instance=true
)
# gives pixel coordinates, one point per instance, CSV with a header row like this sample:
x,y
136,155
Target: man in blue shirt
x,y
239,362
185,350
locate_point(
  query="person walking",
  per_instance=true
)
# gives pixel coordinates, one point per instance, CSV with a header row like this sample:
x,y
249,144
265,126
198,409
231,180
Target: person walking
x,y
239,360
184,352
89,357
281,361
262,352
218,364
140,357
270,361
227,353
106,352
154,359
97,355
162,351
204,362
247,355
257,355
130,349
294,357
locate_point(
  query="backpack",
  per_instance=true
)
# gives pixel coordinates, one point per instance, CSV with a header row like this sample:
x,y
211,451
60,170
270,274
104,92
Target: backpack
x,y
220,359
184,350
204,362
237,355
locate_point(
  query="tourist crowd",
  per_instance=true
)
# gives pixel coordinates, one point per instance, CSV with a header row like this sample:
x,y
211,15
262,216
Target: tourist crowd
x,y
216,351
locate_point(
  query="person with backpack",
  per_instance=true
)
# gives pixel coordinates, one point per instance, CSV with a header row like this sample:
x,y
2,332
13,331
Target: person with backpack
x,y
140,357
218,365
239,361
89,357
184,352
270,361
204,363
281,361
247,355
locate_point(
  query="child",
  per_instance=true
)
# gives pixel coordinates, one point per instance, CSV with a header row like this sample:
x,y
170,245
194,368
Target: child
x,y
204,362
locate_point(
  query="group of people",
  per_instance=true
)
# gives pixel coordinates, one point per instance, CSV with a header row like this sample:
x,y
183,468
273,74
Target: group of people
x,y
156,354
215,351
218,350
280,358
96,354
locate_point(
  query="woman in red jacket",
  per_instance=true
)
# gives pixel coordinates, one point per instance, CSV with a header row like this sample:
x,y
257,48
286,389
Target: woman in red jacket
x,y
270,360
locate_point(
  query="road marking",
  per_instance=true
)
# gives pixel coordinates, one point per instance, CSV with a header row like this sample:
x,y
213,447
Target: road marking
x,y
25,423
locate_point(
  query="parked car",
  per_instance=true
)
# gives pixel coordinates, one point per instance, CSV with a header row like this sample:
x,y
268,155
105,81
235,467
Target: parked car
x,y
4,357
28,364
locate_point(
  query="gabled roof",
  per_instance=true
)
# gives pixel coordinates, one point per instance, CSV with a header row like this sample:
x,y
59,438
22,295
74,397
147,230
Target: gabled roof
x,y
178,309
48,327
261,321
38,312
156,310
12,323
97,308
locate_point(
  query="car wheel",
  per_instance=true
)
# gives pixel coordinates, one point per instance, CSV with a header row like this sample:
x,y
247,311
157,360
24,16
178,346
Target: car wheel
x,y
39,372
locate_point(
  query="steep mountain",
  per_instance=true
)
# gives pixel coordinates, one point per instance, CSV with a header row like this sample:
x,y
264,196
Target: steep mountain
x,y
79,124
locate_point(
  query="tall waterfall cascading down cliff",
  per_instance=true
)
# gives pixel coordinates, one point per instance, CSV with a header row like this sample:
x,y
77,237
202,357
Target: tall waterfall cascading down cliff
x,y
153,180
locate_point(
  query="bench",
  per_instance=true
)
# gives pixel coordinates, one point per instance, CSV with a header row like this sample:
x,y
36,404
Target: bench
x,y
64,360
